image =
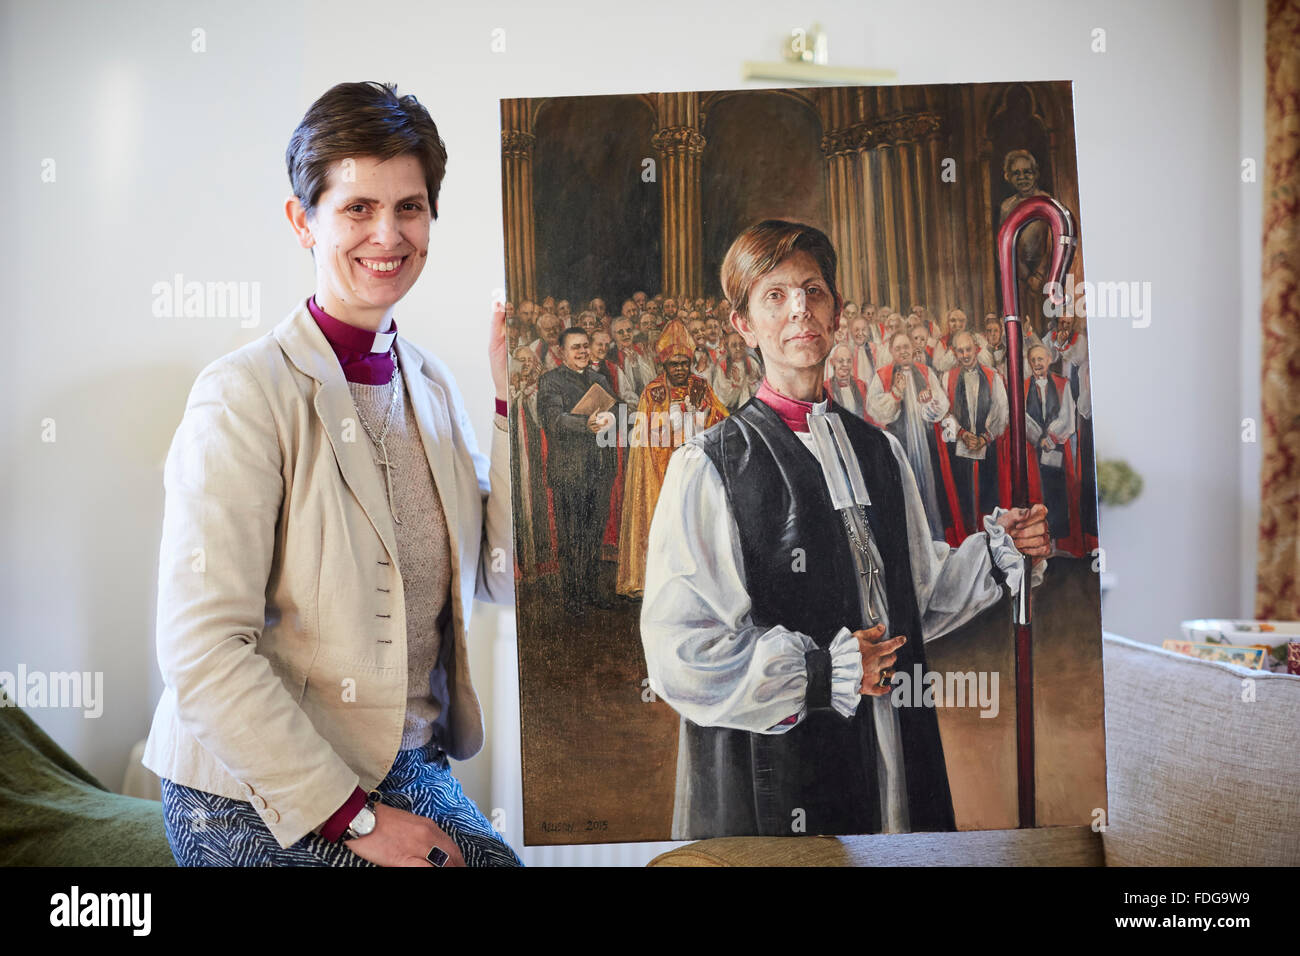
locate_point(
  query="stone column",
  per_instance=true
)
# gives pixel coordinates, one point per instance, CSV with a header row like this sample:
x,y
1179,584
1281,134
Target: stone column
x,y
680,144
517,142
900,179
908,134
848,213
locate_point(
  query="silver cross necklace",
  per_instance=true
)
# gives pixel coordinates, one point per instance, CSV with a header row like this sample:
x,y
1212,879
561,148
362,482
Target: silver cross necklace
x,y
867,567
386,462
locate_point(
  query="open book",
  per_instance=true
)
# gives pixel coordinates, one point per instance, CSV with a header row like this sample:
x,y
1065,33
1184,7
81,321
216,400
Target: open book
x,y
596,400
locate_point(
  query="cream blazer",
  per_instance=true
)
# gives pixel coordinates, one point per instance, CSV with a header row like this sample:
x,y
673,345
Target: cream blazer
x,y
281,630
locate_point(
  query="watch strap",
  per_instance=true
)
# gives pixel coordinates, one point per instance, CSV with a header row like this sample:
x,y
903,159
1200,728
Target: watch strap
x,y
337,824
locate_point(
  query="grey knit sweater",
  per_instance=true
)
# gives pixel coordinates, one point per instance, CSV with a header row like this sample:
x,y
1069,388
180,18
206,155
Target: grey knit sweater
x,y
423,548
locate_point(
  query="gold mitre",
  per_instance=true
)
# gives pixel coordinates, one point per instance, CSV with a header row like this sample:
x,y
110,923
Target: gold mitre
x,y
675,340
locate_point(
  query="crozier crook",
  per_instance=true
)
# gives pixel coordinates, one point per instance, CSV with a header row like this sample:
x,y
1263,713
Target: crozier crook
x,y
1061,226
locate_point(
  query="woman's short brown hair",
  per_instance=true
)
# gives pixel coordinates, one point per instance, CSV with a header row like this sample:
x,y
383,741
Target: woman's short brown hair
x,y
362,119
760,248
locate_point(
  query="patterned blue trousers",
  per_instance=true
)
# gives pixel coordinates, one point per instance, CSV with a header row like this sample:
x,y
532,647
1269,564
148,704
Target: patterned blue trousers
x,y
208,830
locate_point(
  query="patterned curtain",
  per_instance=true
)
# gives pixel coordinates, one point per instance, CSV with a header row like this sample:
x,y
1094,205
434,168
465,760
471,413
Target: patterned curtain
x,y
1276,592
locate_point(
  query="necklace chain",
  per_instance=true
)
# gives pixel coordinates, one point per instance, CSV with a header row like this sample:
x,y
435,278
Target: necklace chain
x,y
387,464
854,537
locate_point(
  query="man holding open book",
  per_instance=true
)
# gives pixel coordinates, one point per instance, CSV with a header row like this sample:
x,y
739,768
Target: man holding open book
x,y
579,469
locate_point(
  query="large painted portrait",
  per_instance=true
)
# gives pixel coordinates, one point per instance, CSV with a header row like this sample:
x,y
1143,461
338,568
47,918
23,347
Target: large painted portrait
x,y
802,463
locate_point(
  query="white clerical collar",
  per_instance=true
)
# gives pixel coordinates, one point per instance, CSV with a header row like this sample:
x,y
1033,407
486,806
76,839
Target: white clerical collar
x,y
384,340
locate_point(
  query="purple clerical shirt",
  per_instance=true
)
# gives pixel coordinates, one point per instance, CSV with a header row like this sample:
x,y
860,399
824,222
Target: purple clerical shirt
x,y
366,356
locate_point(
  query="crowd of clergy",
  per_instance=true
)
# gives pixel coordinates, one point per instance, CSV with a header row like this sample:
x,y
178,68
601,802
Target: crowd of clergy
x,y
937,382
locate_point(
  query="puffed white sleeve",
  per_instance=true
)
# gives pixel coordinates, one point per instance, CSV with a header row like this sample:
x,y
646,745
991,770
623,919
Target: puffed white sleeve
x,y
705,656
999,414
954,585
1062,426
627,392
882,406
937,407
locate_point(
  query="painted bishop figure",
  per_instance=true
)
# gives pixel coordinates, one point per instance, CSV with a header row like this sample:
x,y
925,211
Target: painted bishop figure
x,y
673,407
791,571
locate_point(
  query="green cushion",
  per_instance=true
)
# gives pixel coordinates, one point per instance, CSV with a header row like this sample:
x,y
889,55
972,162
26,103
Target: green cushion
x,y
54,813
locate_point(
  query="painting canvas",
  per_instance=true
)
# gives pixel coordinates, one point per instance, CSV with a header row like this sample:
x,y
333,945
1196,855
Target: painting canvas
x,y
805,508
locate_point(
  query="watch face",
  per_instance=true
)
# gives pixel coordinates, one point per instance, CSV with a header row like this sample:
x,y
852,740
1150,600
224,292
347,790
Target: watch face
x,y
364,822
437,856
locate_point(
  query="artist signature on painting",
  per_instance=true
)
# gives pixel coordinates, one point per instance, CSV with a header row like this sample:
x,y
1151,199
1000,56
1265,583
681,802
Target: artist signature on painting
x,y
568,826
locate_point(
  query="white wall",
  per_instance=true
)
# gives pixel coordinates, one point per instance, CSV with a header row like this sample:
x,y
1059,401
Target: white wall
x,y
1250,133
171,162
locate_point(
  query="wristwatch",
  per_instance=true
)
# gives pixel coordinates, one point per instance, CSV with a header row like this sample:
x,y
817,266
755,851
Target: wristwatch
x,y
363,823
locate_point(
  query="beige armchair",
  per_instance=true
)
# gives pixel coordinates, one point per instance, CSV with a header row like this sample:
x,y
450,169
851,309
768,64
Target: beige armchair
x,y
1202,769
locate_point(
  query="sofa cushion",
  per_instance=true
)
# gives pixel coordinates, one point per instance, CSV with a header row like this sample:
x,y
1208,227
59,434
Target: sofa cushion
x,y
1197,773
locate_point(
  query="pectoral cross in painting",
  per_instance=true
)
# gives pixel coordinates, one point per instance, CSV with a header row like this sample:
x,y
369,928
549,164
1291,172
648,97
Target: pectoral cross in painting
x,y
870,572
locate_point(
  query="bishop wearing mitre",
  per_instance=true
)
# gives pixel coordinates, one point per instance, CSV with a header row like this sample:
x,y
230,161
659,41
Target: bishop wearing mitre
x,y
674,407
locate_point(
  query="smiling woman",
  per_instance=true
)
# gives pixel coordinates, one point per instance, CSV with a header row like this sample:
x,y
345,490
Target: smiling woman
x,y
316,585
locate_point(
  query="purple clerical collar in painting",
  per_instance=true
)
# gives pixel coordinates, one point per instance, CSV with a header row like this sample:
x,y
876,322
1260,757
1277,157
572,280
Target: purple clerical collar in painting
x,y
792,411
363,354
